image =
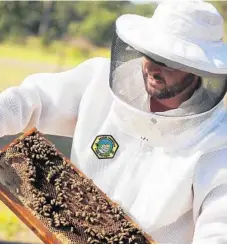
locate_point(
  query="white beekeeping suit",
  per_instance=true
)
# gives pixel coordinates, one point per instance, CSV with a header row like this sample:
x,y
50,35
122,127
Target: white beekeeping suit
x,y
167,170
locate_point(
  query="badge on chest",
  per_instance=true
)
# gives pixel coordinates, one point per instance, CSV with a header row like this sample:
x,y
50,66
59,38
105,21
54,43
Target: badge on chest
x,y
105,146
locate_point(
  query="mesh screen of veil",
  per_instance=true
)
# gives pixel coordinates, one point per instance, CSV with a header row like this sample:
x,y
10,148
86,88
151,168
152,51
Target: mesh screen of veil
x,y
126,78
57,201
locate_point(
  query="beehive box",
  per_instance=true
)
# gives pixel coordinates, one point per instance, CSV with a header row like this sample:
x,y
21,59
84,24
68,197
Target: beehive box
x,y
56,200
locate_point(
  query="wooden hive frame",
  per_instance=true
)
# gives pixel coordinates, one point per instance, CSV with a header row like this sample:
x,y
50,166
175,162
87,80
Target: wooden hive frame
x,y
28,217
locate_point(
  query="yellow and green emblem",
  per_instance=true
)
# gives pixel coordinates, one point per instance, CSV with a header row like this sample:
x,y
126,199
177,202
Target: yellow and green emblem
x,y
105,146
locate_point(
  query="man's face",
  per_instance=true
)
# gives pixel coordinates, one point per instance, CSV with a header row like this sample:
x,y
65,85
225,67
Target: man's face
x,y
162,82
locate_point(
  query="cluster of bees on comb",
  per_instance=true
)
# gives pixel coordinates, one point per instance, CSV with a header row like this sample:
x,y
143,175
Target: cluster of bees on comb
x,y
67,202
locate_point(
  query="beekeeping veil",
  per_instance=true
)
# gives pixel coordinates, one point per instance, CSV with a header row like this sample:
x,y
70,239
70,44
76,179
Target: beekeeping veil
x,y
183,35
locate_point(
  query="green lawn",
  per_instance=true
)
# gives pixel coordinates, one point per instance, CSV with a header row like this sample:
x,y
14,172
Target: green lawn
x,y
12,229
16,63
13,71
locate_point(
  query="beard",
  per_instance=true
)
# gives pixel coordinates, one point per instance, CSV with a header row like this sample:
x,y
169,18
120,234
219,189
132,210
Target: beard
x,y
168,92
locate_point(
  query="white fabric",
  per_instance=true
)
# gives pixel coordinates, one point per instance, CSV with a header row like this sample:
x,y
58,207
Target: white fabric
x,y
175,192
50,98
186,32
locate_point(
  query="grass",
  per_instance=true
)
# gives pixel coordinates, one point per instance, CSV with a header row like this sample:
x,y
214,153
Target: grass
x,y
58,52
9,223
17,62
12,72
11,75
12,229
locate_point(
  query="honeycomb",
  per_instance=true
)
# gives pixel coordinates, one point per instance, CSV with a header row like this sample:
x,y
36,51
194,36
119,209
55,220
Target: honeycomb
x,y
56,200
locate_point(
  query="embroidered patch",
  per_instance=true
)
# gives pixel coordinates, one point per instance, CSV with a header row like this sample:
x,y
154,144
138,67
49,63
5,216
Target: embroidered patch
x,y
105,146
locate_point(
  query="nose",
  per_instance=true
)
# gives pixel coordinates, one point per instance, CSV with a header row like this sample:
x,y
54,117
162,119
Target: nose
x,y
155,72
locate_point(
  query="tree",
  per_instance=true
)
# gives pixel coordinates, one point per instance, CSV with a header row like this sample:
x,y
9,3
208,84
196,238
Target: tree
x,y
52,20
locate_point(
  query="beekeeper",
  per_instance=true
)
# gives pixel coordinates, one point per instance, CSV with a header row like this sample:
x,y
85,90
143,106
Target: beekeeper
x,y
150,125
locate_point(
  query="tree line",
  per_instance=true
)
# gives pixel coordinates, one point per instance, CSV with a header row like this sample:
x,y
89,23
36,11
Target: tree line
x,y
54,20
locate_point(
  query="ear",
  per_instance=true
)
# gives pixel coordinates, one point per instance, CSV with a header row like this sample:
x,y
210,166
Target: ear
x,y
190,78
144,60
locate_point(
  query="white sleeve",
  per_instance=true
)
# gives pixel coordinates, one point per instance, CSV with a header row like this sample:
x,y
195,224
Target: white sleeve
x,y
48,101
210,199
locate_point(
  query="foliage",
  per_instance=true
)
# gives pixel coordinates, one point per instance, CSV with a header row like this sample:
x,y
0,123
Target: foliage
x,y
52,20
